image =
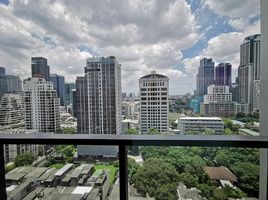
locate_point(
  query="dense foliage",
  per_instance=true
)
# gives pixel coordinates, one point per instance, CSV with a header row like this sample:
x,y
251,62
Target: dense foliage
x,y
24,159
165,167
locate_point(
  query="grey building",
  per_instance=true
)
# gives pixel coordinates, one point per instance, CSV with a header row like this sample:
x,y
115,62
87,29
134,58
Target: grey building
x,y
98,101
205,76
9,84
40,69
154,102
223,74
68,96
58,85
249,72
2,71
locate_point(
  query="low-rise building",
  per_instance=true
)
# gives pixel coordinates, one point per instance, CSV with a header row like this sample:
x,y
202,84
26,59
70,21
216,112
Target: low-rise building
x,y
199,125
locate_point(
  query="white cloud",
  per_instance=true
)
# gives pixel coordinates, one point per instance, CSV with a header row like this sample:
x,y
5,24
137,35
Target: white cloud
x,y
142,35
234,8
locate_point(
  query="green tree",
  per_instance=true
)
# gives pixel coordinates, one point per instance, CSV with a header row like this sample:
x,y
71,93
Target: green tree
x,y
153,175
248,174
24,159
132,169
166,192
153,131
69,130
209,131
234,192
188,179
222,159
228,131
132,131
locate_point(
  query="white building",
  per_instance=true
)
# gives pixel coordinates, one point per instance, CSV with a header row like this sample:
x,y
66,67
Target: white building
x,y
42,106
154,103
198,125
218,102
218,94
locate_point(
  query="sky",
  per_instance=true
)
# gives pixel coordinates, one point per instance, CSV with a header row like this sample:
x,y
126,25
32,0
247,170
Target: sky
x,y
168,36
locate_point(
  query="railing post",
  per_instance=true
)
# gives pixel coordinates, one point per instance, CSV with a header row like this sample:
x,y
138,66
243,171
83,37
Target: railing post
x,y
3,194
123,172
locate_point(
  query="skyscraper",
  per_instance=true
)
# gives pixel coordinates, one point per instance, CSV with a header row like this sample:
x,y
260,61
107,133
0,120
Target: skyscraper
x,y
58,85
249,72
154,102
98,98
68,87
42,106
2,71
223,74
40,69
205,76
9,84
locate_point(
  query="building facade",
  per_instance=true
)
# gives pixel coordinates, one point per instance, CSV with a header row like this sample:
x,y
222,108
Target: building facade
x,y
42,106
223,74
98,101
249,72
9,84
154,102
205,76
201,125
58,85
40,69
218,102
11,110
2,71
68,96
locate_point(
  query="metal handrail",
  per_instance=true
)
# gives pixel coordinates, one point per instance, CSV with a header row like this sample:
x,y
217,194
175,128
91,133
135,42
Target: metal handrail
x,y
122,141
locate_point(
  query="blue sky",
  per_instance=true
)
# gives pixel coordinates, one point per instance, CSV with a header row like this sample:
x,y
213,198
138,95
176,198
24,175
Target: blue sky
x,y
168,36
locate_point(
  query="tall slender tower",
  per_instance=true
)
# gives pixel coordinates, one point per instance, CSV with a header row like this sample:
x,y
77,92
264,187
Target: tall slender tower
x,y
98,99
42,106
40,69
154,103
249,72
58,85
205,76
223,74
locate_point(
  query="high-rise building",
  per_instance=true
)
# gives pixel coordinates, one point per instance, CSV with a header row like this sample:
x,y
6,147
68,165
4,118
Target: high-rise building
x,y
249,72
205,76
9,84
154,102
2,71
68,87
58,85
98,99
223,74
42,106
40,69
11,110
218,102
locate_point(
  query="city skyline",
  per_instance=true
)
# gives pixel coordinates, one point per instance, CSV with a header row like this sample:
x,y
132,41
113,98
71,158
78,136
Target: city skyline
x,y
212,29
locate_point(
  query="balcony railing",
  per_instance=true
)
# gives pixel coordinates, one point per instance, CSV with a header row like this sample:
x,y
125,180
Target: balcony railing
x,y
122,141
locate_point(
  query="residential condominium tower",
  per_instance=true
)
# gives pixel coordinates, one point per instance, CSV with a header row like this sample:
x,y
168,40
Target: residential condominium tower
x,y
249,72
58,85
223,74
42,106
154,102
205,76
40,69
98,100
